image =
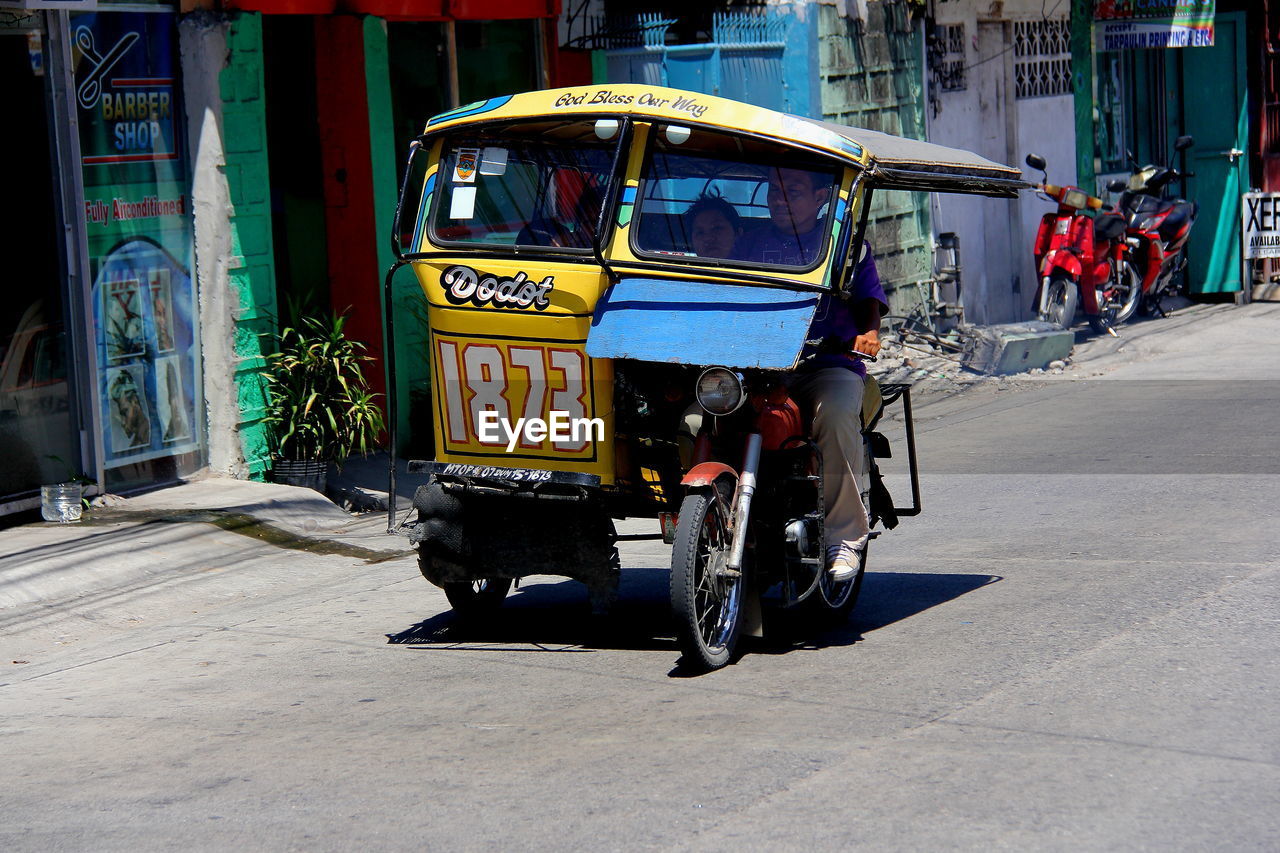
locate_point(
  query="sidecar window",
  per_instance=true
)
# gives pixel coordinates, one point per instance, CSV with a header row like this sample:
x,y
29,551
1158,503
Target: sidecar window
x,y
733,201
522,186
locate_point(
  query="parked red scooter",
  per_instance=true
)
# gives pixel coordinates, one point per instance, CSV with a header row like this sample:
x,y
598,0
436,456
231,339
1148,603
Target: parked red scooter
x,y
1081,260
1158,228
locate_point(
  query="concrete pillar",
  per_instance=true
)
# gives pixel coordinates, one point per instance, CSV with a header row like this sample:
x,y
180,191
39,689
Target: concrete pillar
x,y
234,267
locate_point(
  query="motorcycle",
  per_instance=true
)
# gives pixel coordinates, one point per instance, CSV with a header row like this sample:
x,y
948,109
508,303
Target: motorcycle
x,y
574,316
1158,228
1081,260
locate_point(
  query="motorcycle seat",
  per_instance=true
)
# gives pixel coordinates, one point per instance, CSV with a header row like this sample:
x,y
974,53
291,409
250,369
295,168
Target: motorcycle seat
x,y
1109,227
1180,215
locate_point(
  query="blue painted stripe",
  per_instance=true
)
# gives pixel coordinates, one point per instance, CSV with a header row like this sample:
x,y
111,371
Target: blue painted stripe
x,y
424,208
469,110
849,145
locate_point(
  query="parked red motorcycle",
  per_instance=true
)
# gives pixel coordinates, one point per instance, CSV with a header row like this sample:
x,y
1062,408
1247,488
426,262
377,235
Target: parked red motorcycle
x,y
1158,228
1081,260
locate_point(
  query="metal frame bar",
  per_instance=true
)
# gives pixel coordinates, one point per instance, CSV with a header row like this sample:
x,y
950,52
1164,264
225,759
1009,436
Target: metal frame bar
x,y
81,332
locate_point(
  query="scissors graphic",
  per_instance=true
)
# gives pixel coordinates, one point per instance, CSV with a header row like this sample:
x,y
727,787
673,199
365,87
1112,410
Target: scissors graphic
x,y
90,89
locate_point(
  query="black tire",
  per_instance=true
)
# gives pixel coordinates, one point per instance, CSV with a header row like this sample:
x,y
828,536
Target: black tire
x,y
707,607
1062,300
468,598
1112,315
1132,280
477,598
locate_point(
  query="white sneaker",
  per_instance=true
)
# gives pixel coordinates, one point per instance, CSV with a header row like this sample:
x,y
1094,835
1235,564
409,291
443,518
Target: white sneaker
x,y
844,560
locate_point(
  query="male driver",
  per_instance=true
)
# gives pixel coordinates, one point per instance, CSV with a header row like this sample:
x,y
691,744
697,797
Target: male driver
x,y
830,383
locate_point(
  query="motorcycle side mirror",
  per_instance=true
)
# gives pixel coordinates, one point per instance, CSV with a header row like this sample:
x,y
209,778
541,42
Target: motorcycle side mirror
x,y
1116,185
1035,161
1182,143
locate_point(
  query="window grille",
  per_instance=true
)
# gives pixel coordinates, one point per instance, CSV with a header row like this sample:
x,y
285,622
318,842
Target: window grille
x,y
1042,58
949,69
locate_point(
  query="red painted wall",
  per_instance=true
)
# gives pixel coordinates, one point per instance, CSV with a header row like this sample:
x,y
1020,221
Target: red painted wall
x,y
355,282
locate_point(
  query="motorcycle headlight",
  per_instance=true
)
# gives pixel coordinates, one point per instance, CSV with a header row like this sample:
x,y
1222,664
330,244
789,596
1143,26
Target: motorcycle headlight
x,y
720,391
1075,198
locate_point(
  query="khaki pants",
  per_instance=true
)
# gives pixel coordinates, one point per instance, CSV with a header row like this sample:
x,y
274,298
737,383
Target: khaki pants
x,y
833,396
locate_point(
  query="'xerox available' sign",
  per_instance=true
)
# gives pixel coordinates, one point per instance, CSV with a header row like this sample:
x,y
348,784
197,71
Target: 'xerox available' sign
x,y
1260,223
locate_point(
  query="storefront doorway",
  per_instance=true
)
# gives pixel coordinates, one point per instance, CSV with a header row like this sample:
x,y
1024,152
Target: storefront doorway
x,y
38,435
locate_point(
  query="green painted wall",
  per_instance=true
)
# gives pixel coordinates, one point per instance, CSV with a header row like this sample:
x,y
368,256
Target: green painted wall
x,y
388,154
252,272
872,76
1082,87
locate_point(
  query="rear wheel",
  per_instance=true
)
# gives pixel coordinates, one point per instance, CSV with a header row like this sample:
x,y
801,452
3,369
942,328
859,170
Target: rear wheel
x,y
706,598
1061,304
1129,293
1117,300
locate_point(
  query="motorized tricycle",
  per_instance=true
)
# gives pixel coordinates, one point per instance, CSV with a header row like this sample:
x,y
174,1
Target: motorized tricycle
x,y
581,310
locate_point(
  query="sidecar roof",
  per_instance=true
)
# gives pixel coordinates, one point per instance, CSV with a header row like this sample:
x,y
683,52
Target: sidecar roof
x,y
890,162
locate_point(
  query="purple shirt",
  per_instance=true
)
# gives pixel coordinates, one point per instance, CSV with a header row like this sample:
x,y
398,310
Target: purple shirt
x,y
834,317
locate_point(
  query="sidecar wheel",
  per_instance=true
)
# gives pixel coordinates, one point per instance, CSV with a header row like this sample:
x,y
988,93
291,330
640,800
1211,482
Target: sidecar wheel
x,y
477,598
705,602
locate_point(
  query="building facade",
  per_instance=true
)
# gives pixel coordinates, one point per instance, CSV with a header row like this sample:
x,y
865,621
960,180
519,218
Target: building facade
x,y
101,367
194,175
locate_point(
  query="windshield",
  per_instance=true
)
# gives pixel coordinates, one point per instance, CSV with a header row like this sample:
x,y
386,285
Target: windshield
x,y
733,200
522,186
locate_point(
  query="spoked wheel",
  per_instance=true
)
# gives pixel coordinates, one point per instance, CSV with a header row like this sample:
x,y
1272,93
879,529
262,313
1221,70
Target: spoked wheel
x,y
1062,300
477,598
1130,288
1115,310
706,599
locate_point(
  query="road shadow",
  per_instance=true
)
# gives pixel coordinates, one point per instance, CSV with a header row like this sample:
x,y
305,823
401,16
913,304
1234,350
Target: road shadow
x,y
886,597
556,617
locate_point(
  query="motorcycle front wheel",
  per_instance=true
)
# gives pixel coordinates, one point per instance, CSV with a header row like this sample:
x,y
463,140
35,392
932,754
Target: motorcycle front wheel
x,y
1061,303
706,598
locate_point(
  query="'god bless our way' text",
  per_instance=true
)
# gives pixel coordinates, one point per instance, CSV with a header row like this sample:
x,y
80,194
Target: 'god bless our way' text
x,y
606,98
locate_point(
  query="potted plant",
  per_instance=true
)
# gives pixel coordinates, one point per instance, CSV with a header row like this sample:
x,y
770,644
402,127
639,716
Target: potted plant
x,y
321,409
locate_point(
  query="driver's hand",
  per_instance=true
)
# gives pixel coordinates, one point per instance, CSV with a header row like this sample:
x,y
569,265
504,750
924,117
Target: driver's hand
x,y
867,342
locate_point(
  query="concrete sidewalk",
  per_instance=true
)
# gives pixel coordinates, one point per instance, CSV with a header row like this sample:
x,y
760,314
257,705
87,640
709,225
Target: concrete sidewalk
x,y
131,541
115,545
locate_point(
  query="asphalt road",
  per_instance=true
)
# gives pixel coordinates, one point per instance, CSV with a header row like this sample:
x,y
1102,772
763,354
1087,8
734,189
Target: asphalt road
x,y
1075,646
